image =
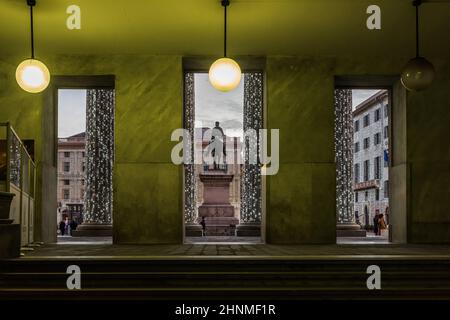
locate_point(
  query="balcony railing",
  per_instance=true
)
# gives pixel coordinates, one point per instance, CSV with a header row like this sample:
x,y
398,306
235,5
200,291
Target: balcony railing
x,y
18,176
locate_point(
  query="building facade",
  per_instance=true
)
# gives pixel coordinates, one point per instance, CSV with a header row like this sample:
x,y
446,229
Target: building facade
x,y
371,158
71,177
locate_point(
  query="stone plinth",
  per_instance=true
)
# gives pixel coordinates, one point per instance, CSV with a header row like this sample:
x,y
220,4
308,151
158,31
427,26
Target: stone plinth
x,y
349,230
216,207
193,230
9,241
93,230
249,229
5,206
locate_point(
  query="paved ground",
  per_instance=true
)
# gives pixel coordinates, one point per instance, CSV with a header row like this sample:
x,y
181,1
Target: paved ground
x,y
369,239
253,250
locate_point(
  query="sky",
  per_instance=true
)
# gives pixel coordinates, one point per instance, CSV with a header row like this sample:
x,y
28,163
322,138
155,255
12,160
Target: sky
x,y
71,112
359,95
212,105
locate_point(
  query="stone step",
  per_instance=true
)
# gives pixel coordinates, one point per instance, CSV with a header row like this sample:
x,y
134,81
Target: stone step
x,y
230,276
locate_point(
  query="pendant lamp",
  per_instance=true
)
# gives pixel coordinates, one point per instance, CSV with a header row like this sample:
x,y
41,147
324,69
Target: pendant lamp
x,y
31,74
225,73
418,73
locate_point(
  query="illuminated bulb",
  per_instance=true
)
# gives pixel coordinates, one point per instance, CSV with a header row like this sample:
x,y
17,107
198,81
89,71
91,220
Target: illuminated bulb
x,y
32,75
225,74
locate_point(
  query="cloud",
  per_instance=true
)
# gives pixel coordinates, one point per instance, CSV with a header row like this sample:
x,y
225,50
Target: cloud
x,y
71,112
212,105
360,95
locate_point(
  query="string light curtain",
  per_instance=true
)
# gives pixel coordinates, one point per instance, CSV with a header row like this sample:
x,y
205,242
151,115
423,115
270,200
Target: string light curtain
x,y
343,128
190,209
15,160
99,156
251,173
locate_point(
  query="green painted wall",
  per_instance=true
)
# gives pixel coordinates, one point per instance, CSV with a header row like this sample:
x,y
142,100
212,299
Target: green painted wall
x,y
429,158
147,199
301,197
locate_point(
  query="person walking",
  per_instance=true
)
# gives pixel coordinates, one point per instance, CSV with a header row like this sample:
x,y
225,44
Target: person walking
x,y
375,223
381,225
67,226
203,223
62,227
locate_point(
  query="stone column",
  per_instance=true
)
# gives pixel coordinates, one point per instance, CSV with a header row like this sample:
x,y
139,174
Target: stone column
x,y
345,217
97,217
251,202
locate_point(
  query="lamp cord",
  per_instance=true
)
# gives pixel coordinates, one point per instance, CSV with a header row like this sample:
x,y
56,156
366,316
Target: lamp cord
x,y
32,32
225,32
417,28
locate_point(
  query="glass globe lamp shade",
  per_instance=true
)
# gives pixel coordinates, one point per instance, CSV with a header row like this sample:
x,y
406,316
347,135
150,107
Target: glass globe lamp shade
x,y
225,74
418,74
32,75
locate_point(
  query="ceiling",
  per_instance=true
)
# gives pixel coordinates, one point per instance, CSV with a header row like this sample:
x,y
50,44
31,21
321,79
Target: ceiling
x,y
195,27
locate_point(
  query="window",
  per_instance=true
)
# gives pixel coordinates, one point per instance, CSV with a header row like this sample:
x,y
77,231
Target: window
x,y
66,154
366,170
366,143
386,110
66,182
366,120
66,194
386,132
82,182
377,138
366,196
356,126
83,167
356,197
66,166
377,168
377,115
377,194
83,154
356,147
356,172
386,189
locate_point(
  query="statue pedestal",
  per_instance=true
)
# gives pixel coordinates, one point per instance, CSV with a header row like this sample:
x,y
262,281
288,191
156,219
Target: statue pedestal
x,y
216,207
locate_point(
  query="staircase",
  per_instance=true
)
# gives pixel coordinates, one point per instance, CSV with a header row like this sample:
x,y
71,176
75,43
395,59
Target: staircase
x,y
227,277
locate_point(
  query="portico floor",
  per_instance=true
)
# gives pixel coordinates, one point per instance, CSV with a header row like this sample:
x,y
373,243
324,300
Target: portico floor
x,y
337,251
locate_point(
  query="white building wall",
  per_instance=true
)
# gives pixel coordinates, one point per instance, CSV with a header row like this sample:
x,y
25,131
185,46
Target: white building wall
x,y
367,197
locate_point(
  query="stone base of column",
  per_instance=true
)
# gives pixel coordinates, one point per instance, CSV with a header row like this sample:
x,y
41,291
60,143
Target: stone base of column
x,y
9,239
349,230
193,230
93,230
248,229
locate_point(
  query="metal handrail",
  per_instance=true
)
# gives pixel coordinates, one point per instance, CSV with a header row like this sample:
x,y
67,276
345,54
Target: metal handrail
x,y
24,157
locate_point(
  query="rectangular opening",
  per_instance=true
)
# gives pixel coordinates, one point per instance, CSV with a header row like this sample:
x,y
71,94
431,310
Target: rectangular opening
x,y
362,146
222,191
85,155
